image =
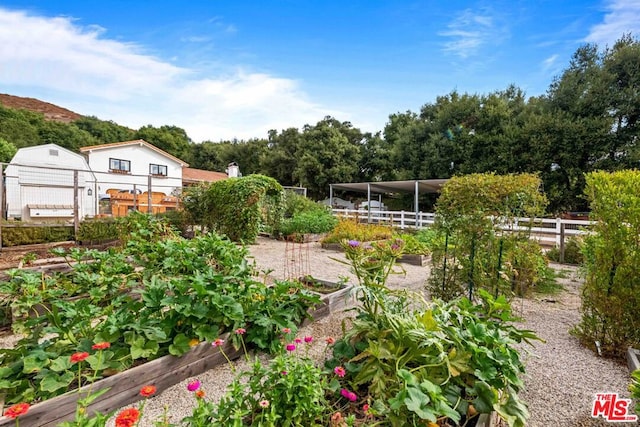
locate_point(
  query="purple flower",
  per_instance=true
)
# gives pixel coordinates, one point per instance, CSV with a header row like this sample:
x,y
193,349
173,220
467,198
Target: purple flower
x,y
291,347
354,243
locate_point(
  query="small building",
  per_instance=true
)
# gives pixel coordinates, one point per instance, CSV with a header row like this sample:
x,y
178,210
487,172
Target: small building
x,y
40,184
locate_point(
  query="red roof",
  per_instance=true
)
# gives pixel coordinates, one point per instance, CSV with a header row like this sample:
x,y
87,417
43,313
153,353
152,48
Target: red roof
x,y
200,175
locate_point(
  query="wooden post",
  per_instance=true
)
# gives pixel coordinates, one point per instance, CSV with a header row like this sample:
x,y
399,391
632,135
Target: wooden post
x,y
135,197
149,210
562,243
1,201
76,216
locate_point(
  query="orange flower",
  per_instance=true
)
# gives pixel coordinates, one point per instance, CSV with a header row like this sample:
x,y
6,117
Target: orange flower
x,y
101,346
200,394
79,357
148,390
17,410
127,417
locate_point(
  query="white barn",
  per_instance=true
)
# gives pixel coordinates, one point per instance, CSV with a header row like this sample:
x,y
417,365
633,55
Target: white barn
x,y
40,184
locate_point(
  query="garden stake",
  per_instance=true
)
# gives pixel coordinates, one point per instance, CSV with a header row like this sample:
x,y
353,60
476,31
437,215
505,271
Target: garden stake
x,y
444,265
472,259
499,267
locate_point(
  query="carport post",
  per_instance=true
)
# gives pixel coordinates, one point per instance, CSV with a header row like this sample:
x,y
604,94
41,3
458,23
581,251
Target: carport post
x,y
368,203
415,201
331,197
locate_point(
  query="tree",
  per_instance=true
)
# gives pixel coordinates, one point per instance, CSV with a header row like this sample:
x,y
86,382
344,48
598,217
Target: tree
x,y
7,151
328,153
172,139
104,131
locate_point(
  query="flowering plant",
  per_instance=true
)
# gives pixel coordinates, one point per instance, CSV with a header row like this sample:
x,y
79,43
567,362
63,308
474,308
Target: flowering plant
x,y
372,263
290,390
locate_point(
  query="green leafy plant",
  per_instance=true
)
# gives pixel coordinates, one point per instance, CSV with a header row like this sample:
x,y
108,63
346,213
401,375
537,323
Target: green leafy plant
x,y
155,296
572,251
610,298
347,229
482,242
237,207
288,391
418,363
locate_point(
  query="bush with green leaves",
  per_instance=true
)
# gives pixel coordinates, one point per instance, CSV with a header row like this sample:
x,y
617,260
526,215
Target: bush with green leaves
x,y
416,362
482,243
239,208
572,251
610,297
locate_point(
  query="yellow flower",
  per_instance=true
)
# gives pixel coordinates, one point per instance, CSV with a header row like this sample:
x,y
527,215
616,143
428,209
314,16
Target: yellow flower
x,y
194,342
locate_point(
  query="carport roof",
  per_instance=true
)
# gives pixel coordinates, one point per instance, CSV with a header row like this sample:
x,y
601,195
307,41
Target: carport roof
x,y
409,186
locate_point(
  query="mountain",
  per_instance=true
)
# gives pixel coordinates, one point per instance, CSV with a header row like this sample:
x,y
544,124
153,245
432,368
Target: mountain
x,y
50,111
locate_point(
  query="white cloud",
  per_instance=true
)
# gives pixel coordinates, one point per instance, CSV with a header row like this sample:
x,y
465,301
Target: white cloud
x,y
550,63
623,16
468,32
119,81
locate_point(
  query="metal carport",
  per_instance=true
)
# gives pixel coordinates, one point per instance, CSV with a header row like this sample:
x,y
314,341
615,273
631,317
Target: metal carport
x,y
416,186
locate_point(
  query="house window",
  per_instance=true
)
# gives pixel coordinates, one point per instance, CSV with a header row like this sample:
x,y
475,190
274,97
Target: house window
x,y
158,169
119,166
53,152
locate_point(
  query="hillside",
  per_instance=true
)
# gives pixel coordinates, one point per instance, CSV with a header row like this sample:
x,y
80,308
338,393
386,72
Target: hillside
x,y
50,111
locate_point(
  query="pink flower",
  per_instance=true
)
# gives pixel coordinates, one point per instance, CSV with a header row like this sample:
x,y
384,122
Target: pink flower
x,y
218,342
365,408
264,403
193,385
330,340
308,339
284,372
349,395
298,340
286,330
339,371
241,331
291,347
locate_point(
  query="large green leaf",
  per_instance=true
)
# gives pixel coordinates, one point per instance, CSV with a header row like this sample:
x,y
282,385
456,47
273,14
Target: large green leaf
x,y
180,345
53,382
60,364
33,363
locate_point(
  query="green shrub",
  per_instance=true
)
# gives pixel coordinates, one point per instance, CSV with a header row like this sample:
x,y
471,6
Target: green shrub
x,y
237,207
96,230
610,297
30,235
472,211
347,229
317,221
572,252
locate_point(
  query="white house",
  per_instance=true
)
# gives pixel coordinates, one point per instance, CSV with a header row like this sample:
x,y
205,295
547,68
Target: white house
x,y
133,165
40,184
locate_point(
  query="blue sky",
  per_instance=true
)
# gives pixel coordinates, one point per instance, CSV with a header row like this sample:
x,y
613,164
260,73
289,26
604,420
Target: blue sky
x,y
235,69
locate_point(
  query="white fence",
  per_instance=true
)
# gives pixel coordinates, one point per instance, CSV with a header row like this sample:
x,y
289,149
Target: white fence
x,y
548,231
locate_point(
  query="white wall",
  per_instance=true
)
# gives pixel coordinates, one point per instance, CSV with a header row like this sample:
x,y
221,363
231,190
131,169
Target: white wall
x,y
140,157
43,175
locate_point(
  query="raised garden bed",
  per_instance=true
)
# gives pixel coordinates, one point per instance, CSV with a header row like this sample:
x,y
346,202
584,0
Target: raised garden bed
x,y
413,259
124,387
633,359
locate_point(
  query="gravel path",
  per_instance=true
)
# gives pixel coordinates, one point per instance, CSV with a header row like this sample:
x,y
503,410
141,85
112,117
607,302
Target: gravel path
x,y
562,377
